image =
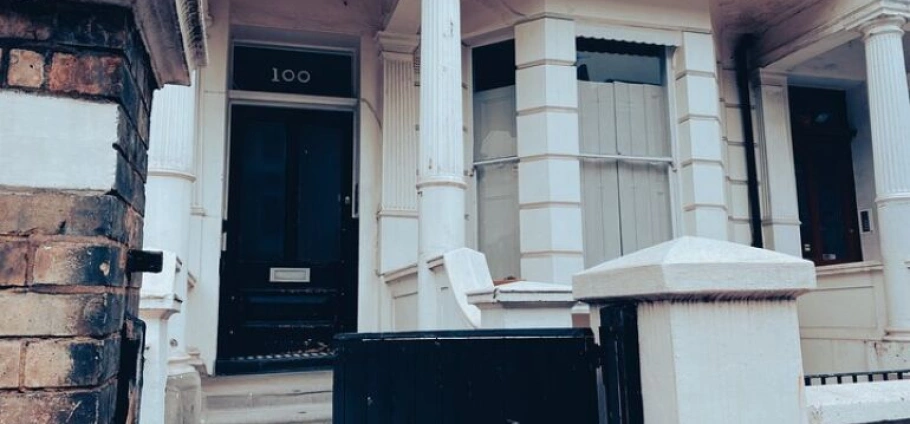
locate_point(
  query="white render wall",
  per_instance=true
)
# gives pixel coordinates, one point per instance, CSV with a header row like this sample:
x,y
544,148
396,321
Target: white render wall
x,y
201,307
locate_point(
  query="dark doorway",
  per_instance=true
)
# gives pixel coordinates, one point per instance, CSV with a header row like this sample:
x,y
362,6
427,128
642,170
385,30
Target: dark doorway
x,y
824,176
289,264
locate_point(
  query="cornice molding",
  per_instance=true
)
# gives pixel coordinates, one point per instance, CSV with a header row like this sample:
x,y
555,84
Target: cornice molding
x,y
767,77
397,43
881,12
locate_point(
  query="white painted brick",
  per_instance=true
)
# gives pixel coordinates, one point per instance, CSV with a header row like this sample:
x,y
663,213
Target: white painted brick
x,y
543,39
698,52
700,138
548,132
554,268
546,85
554,228
555,180
697,95
59,143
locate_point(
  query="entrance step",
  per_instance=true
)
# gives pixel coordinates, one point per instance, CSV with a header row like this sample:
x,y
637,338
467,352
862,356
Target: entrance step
x,y
285,398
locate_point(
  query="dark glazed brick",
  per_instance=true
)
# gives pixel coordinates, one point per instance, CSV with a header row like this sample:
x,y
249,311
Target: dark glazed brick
x,y
71,362
24,214
86,73
13,263
61,314
129,185
24,21
130,146
96,27
26,68
50,407
78,264
10,351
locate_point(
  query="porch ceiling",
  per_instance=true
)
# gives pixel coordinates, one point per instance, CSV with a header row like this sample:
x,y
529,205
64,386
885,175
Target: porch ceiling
x,y
754,15
477,16
844,65
331,16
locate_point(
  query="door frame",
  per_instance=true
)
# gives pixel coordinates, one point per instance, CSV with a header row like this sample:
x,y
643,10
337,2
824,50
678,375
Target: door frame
x,y
292,101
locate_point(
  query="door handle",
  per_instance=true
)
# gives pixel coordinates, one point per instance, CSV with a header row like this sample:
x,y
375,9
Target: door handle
x,y
347,200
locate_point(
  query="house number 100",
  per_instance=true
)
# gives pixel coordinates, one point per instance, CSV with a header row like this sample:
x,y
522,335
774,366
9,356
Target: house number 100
x,y
288,75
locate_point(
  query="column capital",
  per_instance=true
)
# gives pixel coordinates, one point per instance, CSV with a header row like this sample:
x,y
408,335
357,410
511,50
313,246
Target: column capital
x,y
763,76
397,43
882,24
172,146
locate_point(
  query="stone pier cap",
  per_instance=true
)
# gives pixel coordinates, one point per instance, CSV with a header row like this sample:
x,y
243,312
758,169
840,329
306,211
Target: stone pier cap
x,y
694,268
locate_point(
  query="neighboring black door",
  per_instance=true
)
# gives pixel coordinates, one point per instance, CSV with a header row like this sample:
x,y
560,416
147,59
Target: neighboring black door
x,y
289,265
824,176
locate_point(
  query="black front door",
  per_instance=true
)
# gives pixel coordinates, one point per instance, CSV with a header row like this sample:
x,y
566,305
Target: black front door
x,y
824,176
289,264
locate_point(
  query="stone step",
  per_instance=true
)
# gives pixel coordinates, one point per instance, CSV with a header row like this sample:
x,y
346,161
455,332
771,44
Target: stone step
x,y
319,413
280,398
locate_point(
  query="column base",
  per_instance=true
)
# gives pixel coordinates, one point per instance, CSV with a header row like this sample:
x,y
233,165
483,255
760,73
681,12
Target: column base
x,y
183,398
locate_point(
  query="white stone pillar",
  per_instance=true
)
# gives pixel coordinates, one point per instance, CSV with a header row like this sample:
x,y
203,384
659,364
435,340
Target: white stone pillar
x,y
157,304
169,192
701,147
780,212
400,114
549,178
440,180
889,110
718,331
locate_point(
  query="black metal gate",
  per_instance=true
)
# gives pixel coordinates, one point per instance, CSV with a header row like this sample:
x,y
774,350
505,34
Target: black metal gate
x,y
493,376
621,364
482,376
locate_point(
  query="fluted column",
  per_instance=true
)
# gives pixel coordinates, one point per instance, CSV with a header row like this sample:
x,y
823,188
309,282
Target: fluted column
x,y
398,213
440,180
889,110
167,221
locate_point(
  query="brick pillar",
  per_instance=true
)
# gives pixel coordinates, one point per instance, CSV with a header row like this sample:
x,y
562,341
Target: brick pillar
x,y
75,94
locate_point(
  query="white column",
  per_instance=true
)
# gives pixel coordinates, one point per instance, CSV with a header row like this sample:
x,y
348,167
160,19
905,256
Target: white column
x,y
440,180
169,194
549,179
780,217
701,147
398,213
889,110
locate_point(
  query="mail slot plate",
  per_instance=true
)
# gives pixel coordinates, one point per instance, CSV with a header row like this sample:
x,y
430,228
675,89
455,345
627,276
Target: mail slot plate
x,y
289,275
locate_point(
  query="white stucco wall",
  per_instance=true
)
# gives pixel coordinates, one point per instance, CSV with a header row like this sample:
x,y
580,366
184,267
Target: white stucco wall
x,y
863,172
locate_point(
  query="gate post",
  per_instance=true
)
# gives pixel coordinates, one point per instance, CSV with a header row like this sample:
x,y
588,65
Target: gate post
x,y
718,335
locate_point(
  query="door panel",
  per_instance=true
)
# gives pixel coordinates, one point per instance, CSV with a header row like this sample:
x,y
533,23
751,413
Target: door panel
x,y
289,207
824,175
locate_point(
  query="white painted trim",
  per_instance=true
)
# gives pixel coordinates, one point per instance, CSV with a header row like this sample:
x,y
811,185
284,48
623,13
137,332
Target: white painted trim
x,y
508,159
850,268
258,98
675,182
628,33
489,37
626,158
398,273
